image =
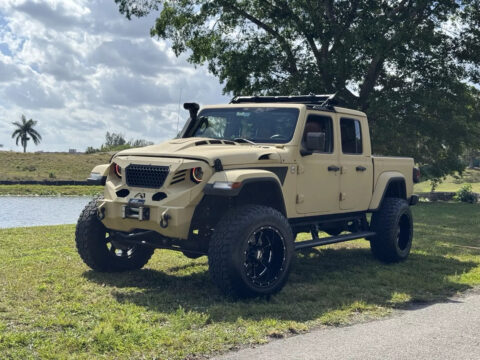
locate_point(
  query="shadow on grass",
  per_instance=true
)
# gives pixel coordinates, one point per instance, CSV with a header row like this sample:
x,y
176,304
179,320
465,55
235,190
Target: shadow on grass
x,y
321,281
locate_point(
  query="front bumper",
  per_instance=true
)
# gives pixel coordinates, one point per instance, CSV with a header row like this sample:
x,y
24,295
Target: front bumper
x,y
167,210
172,222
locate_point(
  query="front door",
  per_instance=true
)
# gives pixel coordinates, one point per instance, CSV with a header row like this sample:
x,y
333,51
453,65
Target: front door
x,y
318,181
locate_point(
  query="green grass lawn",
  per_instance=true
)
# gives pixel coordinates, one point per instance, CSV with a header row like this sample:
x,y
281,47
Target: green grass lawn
x,y
452,184
53,306
48,166
50,190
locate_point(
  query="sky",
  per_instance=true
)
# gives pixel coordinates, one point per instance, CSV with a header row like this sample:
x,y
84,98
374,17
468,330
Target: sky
x,y
80,69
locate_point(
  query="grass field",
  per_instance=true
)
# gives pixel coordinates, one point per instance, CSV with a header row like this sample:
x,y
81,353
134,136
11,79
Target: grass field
x,y
49,190
53,306
453,184
48,166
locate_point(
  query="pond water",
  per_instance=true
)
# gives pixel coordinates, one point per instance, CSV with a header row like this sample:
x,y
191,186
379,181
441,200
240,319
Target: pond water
x,y
18,211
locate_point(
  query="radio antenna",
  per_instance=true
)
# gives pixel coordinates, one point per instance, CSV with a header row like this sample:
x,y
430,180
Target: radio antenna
x,y
178,110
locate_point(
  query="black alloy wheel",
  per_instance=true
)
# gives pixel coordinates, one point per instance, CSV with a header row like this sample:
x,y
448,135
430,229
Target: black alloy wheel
x,y
250,251
264,256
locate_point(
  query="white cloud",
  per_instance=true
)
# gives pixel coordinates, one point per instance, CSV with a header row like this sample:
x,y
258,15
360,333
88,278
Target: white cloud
x,y
80,69
32,94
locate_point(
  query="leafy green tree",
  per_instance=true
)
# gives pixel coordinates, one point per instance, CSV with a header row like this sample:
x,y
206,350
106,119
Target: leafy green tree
x,y
91,150
139,143
117,142
25,129
406,63
114,140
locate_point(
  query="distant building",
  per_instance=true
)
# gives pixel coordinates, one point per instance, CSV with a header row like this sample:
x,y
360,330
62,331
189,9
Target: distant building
x,y
72,151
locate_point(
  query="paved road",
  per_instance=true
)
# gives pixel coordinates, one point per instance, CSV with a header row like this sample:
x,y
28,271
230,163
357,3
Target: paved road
x,y
441,331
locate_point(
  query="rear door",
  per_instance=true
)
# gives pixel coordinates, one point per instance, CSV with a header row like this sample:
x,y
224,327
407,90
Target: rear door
x,y
356,175
318,181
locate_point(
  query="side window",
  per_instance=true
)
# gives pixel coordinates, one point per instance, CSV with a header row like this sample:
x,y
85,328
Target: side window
x,y
351,136
319,123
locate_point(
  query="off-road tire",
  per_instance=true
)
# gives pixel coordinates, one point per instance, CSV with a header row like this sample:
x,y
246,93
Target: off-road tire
x,y
229,255
91,238
393,224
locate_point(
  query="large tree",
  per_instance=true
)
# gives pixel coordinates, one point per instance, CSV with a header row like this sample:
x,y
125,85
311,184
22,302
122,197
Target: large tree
x,y
24,132
410,64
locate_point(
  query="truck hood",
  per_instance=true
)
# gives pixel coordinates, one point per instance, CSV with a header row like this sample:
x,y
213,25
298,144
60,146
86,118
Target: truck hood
x,y
230,153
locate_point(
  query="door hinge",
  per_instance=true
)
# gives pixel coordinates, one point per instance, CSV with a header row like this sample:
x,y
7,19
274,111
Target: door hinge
x,y
342,196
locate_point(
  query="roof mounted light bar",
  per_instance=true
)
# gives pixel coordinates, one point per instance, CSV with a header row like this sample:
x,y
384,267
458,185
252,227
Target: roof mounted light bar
x,y
318,100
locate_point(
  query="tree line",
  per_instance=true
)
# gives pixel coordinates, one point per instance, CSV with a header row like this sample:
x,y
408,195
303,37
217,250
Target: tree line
x,y
117,142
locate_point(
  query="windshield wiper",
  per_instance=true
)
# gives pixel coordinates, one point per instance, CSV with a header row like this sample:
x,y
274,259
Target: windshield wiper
x,y
243,140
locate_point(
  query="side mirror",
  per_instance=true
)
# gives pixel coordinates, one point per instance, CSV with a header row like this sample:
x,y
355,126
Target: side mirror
x,y
316,141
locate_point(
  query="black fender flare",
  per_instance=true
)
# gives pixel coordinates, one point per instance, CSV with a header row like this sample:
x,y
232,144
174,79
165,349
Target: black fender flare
x,y
210,190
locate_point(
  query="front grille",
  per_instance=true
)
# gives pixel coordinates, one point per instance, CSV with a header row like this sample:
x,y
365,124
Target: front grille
x,y
148,176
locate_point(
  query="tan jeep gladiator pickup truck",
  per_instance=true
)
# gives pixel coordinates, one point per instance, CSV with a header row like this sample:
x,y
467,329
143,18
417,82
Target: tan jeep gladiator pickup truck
x,y
240,182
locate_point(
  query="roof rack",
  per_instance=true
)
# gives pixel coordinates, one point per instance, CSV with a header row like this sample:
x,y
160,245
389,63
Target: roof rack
x,y
321,101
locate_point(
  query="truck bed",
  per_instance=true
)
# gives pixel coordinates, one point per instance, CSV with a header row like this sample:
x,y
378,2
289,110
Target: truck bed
x,y
403,165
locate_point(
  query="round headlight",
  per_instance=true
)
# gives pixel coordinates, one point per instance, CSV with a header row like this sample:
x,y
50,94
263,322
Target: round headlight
x,y
197,175
117,170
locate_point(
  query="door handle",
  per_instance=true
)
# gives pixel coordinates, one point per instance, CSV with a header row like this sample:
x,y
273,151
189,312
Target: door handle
x,y
361,168
333,168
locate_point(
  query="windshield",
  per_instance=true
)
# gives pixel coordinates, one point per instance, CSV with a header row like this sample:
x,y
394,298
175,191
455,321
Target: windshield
x,y
255,124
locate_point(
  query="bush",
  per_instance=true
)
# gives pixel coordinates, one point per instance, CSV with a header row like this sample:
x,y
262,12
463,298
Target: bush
x,y
465,194
91,150
52,175
117,142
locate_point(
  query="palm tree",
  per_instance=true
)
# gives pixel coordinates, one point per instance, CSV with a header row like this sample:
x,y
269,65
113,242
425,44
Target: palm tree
x,y
25,129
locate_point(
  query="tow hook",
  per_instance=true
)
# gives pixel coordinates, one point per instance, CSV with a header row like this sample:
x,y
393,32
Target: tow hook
x,y
164,219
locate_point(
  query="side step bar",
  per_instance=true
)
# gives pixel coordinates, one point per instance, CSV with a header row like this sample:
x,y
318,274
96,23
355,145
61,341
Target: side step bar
x,y
332,239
